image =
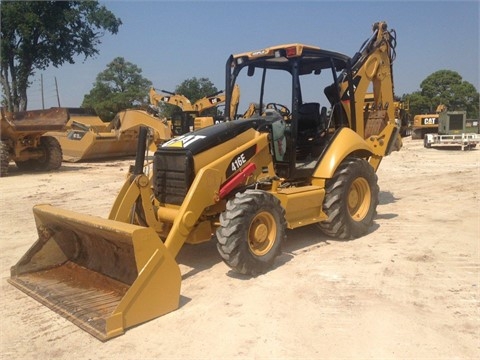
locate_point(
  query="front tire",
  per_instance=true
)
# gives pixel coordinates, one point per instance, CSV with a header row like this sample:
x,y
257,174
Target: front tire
x,y
351,200
251,232
52,159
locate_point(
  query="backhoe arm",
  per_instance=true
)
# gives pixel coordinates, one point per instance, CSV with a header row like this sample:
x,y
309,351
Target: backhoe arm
x,y
170,98
210,101
130,119
372,67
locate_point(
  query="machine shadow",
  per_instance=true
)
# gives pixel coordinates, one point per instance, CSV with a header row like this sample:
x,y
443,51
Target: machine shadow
x,y
198,257
204,256
384,198
106,160
13,170
301,240
298,241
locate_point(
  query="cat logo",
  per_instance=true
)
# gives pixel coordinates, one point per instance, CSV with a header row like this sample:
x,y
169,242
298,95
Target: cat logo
x,y
215,100
430,121
176,144
183,141
259,52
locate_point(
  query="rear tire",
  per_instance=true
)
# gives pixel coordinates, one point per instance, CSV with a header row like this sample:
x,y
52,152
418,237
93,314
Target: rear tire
x,y
351,200
4,159
251,232
52,159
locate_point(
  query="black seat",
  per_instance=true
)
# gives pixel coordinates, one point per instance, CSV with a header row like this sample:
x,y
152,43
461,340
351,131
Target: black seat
x,y
308,117
309,130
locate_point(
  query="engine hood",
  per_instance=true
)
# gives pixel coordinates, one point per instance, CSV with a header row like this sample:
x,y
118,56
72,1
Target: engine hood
x,y
198,141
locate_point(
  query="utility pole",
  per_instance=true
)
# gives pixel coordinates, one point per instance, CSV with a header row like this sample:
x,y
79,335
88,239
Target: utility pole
x,y
56,87
41,89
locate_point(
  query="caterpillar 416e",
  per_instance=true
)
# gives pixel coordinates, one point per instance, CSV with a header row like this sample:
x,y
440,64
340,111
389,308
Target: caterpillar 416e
x,y
245,180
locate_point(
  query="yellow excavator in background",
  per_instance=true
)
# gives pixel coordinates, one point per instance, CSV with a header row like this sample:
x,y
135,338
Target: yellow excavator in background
x,y
424,124
246,181
190,117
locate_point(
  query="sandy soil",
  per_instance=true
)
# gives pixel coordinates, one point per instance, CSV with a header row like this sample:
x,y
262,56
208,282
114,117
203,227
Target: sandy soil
x,y
408,289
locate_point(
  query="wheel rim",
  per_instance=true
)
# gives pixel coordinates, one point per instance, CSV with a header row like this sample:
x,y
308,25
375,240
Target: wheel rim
x,y
262,233
359,199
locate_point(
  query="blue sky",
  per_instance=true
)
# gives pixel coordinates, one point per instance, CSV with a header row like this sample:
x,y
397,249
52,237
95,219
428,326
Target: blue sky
x,y
172,41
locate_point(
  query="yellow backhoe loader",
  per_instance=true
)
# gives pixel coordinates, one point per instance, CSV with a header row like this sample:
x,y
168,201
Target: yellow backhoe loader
x,y
87,137
190,117
246,181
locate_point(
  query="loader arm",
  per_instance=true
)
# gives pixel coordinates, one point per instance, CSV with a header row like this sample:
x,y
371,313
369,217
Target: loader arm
x,y
183,219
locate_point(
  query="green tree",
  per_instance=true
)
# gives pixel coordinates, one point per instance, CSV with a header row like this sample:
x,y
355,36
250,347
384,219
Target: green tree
x,y
37,34
193,89
445,87
418,103
120,86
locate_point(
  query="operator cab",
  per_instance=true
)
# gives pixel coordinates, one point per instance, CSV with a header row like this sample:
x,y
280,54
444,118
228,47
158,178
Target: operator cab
x,y
300,84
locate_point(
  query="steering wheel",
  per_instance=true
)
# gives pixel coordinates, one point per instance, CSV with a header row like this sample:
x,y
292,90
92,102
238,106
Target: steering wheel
x,y
281,109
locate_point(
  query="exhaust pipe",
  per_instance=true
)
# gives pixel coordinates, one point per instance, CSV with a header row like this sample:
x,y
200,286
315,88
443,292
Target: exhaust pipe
x,y
141,149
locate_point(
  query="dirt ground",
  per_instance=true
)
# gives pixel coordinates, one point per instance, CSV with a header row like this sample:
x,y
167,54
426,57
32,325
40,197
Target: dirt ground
x,y
408,289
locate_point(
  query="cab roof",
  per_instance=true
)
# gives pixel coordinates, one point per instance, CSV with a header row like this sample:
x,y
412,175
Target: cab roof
x,y
312,58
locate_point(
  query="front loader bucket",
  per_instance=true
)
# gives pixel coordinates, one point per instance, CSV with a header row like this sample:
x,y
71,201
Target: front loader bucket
x,y
103,275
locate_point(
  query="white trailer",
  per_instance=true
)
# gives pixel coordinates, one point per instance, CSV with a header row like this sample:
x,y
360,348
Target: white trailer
x,y
454,131
465,141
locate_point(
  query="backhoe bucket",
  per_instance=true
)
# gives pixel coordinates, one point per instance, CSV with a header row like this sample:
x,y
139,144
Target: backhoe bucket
x,y
103,275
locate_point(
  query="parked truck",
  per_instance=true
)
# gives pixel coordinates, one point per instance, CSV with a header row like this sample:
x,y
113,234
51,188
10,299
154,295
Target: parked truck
x,y
24,139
